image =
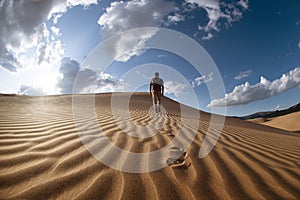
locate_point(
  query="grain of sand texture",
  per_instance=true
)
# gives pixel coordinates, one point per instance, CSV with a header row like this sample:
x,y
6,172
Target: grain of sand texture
x,y
43,157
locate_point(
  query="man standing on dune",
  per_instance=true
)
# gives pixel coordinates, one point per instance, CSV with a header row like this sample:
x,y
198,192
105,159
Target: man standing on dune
x,y
156,90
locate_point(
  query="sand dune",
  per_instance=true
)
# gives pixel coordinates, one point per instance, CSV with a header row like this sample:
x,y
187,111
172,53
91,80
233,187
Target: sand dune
x,y
43,157
289,122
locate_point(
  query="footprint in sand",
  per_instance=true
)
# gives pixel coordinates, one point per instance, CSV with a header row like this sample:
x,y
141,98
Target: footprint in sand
x,y
171,134
180,161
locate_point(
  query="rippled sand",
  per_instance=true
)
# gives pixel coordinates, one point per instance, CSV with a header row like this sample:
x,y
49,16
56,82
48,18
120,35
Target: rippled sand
x,y
43,157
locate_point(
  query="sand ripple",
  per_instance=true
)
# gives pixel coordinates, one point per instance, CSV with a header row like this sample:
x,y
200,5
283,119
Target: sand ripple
x,y
43,157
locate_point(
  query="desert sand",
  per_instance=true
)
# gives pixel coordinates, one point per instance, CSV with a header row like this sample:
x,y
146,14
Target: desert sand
x,y
289,122
43,157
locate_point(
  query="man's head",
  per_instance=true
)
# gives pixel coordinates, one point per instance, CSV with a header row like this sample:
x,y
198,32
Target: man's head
x,y
156,74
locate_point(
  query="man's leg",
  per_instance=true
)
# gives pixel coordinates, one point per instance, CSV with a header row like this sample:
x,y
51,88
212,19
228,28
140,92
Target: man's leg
x,y
154,99
159,100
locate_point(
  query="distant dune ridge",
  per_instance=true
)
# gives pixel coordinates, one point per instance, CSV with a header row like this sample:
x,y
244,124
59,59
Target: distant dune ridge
x,y
272,114
43,157
286,119
289,122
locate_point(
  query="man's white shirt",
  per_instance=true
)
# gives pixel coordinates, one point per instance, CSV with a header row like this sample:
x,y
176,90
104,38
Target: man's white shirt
x,y
157,80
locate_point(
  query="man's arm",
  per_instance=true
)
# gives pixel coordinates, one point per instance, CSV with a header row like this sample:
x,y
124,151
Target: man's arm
x,y
150,88
162,90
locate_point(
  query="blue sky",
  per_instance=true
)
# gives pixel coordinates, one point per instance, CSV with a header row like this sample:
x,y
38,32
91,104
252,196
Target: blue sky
x,y
254,45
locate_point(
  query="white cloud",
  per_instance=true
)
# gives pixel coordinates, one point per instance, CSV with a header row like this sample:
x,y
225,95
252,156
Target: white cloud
x,y
243,75
212,4
121,16
62,6
31,91
49,51
84,3
129,44
218,11
213,10
207,37
56,17
244,3
175,88
299,44
89,80
247,93
109,83
125,15
162,56
69,70
23,28
202,79
55,31
174,19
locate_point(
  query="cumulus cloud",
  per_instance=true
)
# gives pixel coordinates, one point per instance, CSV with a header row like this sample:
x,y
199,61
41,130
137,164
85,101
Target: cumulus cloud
x,y
202,79
124,15
247,93
244,3
175,18
109,83
242,75
55,31
208,36
129,44
84,3
217,12
69,70
177,89
121,16
90,80
23,27
31,91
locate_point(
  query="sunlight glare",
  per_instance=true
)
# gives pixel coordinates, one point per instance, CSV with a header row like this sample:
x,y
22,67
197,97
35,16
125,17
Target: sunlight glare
x,y
46,80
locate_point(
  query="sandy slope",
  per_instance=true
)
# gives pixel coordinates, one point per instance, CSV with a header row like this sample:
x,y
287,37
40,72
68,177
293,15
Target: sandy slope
x,y
42,156
289,122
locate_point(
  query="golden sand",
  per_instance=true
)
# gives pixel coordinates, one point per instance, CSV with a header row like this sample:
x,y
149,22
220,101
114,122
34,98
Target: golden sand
x,y
289,122
42,156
